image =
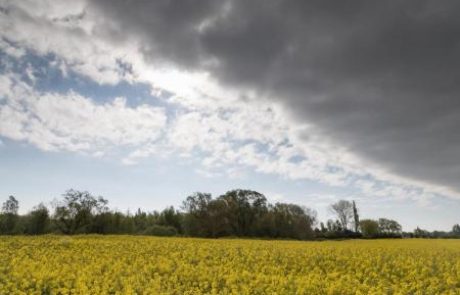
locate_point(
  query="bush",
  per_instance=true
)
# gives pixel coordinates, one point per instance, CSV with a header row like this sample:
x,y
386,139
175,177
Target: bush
x,y
161,231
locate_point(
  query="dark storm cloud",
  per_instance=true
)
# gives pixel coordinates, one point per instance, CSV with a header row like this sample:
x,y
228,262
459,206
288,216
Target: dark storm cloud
x,y
381,77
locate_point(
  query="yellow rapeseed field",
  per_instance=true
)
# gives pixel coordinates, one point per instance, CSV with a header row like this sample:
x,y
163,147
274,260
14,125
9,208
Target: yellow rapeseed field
x,y
149,265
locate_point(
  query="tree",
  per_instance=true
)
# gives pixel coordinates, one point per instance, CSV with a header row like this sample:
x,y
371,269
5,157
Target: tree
x,y
389,226
344,211
330,225
456,229
75,213
323,229
37,221
160,231
369,227
171,217
355,217
292,221
218,223
9,216
10,206
196,219
140,220
243,208
421,233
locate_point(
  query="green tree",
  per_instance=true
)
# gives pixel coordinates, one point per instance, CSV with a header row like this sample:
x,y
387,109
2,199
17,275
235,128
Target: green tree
x,y
218,223
389,226
323,229
196,218
243,209
140,221
10,206
292,221
421,233
9,216
369,227
160,231
171,217
37,221
75,213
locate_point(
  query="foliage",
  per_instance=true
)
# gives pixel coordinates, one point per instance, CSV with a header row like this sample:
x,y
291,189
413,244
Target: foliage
x,y
369,228
74,213
149,265
37,222
389,227
160,231
237,213
8,224
245,213
9,219
421,233
381,228
10,206
196,221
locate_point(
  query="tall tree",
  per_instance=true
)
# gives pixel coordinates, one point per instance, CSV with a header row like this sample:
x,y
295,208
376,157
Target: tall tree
x,y
9,216
243,208
355,217
292,221
456,229
218,223
10,206
171,217
196,219
344,212
37,221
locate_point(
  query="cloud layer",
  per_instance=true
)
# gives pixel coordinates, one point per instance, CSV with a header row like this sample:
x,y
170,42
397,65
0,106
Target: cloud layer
x,y
379,78
361,94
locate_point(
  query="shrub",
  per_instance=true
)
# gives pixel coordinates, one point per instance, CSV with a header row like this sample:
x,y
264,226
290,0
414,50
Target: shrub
x,y
161,231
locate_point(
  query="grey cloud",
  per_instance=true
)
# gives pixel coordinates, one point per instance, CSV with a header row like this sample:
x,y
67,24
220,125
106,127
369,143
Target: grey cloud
x,y
380,77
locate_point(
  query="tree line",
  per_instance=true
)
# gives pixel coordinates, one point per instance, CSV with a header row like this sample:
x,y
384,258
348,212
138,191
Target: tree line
x,y
237,213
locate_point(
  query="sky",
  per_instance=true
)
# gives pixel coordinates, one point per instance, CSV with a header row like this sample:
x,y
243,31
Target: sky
x,y
309,102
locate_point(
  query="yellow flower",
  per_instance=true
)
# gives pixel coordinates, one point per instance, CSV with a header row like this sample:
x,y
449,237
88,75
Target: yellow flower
x,y
148,265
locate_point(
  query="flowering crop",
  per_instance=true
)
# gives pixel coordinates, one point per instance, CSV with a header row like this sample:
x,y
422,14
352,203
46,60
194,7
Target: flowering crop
x,y
149,265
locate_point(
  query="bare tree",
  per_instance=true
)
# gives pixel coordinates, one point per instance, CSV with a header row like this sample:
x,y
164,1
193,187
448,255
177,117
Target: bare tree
x,y
344,211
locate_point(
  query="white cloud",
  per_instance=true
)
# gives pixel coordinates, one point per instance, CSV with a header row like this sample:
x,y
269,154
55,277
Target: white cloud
x,y
59,27
72,122
11,50
227,128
